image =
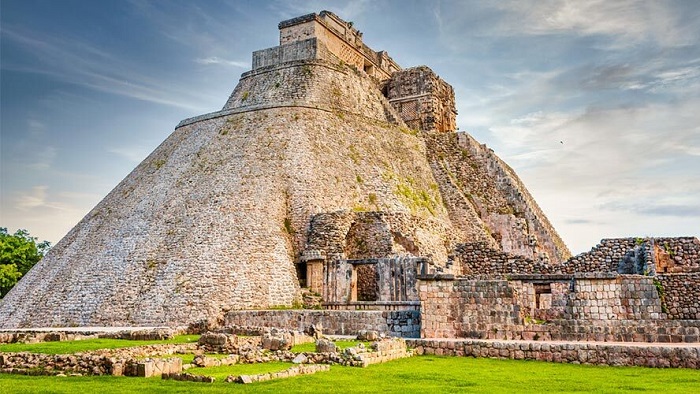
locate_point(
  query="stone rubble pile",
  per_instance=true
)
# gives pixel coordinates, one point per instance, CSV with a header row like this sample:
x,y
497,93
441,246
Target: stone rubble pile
x,y
188,377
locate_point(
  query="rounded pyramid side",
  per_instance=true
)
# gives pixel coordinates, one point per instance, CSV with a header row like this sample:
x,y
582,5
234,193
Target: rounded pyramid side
x,y
215,217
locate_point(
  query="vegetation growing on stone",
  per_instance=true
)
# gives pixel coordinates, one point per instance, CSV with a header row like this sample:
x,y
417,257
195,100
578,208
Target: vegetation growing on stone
x,y
415,197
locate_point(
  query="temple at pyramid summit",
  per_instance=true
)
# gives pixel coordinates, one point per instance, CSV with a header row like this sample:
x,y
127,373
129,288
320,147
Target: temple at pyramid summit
x,y
333,182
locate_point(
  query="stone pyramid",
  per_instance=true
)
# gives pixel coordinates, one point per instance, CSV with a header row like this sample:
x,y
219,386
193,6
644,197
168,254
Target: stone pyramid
x,y
216,218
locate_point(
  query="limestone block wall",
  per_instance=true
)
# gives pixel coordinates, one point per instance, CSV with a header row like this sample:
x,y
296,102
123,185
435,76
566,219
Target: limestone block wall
x,y
373,234
311,83
485,196
480,260
395,323
675,255
342,39
423,100
625,297
607,256
621,308
681,295
309,49
459,308
582,353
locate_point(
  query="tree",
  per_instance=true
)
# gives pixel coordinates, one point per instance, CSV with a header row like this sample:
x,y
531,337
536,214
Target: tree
x,y
18,254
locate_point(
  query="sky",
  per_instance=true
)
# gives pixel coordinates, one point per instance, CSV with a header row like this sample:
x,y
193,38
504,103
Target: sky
x,y
595,104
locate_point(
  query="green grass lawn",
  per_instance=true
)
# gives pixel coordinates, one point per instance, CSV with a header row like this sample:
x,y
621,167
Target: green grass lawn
x,y
431,374
67,347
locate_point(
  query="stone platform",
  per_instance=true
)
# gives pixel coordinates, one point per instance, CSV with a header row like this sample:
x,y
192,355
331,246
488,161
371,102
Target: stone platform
x,y
656,355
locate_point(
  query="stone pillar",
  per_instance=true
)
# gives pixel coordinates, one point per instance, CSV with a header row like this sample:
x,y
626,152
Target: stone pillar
x,y
314,275
353,285
314,260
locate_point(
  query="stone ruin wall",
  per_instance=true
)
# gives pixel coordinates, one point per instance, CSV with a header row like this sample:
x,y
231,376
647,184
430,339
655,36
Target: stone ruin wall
x,y
640,256
342,40
423,100
404,323
358,235
575,353
674,255
487,198
312,84
625,308
392,283
482,261
643,256
681,297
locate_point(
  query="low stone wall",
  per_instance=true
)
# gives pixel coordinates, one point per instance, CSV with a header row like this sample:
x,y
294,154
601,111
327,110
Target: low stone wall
x,y
296,370
480,260
574,353
650,331
681,295
117,362
56,335
36,337
384,351
187,377
394,323
152,367
88,364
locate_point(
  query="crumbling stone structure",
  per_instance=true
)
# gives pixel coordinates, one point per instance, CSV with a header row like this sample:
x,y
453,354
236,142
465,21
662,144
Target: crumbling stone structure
x,y
619,291
423,100
326,35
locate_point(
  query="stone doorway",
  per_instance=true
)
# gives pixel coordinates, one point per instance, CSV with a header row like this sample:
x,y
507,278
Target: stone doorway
x,y
367,282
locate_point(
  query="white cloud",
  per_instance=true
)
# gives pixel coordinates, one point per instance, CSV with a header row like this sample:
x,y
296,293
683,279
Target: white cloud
x,y
625,22
78,62
33,199
47,215
215,60
134,154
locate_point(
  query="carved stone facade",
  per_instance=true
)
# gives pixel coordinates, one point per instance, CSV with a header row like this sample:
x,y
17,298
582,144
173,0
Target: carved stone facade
x,y
423,100
326,37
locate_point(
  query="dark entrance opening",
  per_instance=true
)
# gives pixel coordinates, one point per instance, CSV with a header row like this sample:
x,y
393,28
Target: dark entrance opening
x,y
301,274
